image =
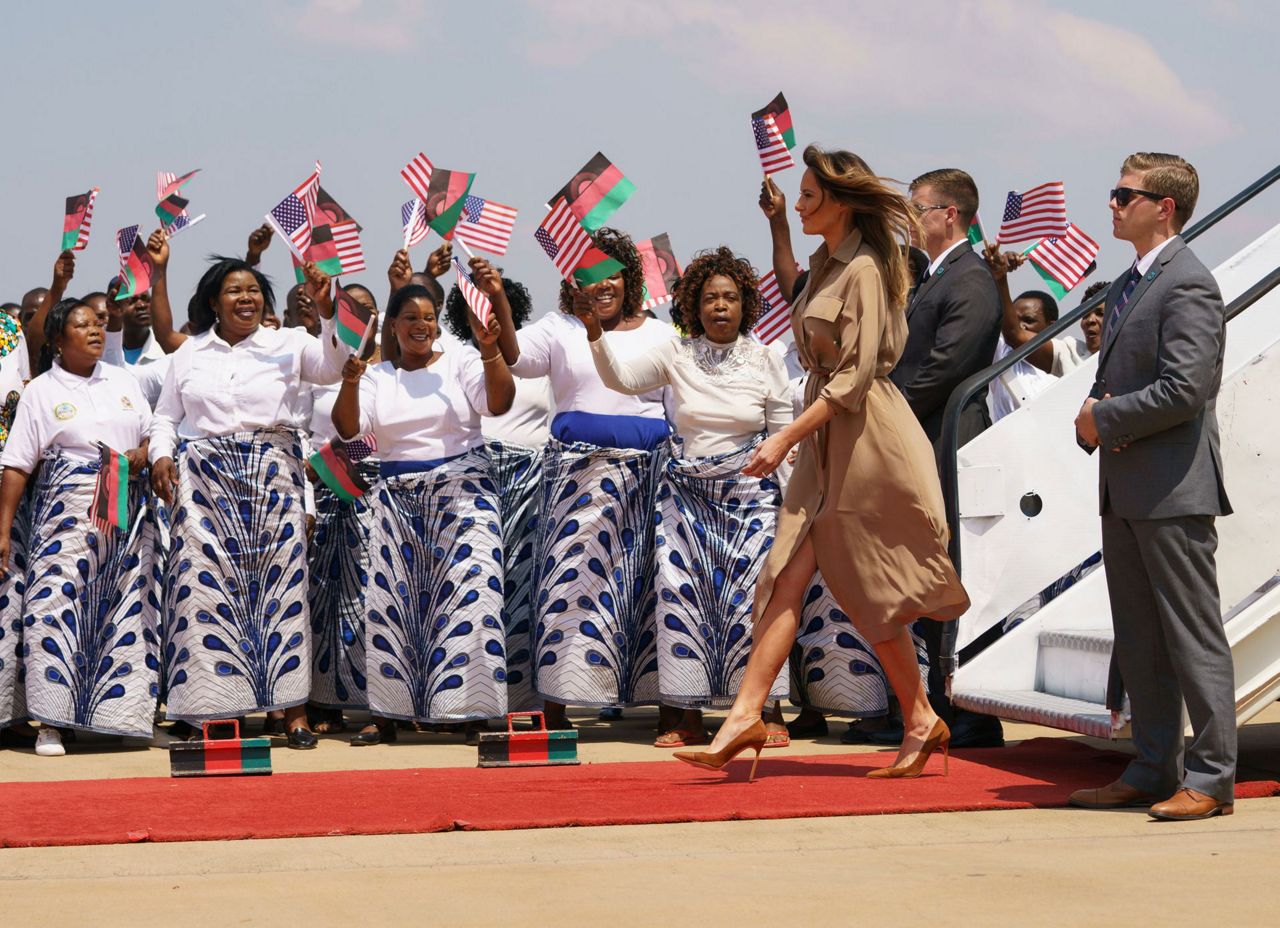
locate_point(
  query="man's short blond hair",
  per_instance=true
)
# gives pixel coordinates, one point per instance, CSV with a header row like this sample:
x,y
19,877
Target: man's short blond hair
x,y
1169,176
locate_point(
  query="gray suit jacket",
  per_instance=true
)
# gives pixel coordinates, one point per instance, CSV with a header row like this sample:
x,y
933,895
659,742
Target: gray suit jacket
x,y
1162,364
953,322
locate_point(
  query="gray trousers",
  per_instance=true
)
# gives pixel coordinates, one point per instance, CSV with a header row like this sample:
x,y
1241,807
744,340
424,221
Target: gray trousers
x,y
1171,647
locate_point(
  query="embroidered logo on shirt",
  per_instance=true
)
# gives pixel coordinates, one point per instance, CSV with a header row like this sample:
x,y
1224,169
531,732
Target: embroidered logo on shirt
x,y
64,411
126,403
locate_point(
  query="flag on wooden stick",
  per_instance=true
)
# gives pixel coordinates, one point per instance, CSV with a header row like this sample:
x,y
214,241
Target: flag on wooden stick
x,y
414,220
354,321
77,220
595,192
1040,212
775,312
661,270
110,505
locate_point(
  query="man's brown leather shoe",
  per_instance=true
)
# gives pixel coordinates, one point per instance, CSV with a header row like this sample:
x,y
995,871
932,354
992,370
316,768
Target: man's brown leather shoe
x,y
1188,805
1116,795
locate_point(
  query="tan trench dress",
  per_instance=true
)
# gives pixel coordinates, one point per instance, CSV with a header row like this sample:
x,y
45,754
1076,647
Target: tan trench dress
x,y
865,485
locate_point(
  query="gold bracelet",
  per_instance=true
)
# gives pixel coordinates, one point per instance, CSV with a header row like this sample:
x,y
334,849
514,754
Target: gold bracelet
x,y
492,357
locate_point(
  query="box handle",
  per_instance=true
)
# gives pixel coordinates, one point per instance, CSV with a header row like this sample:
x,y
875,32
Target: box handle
x,y
222,726
534,716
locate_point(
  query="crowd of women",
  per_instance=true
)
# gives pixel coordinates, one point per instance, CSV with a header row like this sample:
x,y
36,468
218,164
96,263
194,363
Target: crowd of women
x,y
593,509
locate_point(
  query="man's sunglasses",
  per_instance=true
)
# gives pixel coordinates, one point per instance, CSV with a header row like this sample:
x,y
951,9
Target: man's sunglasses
x,y
1124,195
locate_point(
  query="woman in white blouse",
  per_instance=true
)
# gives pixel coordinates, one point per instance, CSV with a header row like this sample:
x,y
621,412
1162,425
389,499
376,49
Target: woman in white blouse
x,y
594,639
227,459
727,392
434,642
89,627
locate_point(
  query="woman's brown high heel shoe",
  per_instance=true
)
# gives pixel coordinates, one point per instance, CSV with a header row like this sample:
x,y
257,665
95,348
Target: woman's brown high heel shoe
x,y
754,737
939,736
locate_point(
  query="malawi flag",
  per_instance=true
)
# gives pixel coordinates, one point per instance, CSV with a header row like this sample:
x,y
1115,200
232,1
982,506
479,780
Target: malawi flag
x,y
976,235
354,320
110,506
781,113
595,193
170,208
170,184
661,270
323,250
334,467
77,219
135,264
446,195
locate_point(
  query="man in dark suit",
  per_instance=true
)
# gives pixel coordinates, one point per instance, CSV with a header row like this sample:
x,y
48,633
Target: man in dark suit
x,y
1151,415
953,322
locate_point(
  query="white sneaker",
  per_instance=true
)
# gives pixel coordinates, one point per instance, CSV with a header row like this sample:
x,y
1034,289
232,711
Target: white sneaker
x,y
49,742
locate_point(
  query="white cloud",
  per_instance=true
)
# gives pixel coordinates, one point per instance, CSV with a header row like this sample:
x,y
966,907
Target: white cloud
x,y
1024,64
388,25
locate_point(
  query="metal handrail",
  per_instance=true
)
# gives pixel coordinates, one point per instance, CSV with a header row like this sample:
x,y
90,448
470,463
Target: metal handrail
x,y
970,387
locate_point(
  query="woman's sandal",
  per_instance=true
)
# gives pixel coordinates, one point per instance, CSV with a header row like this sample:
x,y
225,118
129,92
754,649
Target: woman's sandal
x,y
681,738
778,739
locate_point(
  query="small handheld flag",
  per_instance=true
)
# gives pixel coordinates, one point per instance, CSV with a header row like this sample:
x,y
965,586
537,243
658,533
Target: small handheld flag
x,y
1064,260
414,221
417,174
770,146
775,312
136,265
476,299
595,192
485,224
661,270
77,220
335,468
110,505
976,235
443,203
1040,212
168,183
347,240
170,208
354,321
781,113
570,248
295,215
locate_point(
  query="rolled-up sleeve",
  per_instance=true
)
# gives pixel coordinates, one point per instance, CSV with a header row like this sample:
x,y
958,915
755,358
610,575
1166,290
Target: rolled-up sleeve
x,y
859,326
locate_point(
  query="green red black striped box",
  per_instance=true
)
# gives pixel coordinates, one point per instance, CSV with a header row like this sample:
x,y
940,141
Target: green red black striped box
x,y
227,755
535,748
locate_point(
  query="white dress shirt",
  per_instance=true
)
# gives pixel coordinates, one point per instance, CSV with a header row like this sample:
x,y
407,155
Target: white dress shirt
x,y
427,414
721,397
937,262
74,413
555,347
1069,352
528,422
113,350
214,388
1015,386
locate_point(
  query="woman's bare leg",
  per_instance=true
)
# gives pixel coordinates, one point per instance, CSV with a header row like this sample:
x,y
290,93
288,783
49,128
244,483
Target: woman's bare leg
x,y
772,637
898,658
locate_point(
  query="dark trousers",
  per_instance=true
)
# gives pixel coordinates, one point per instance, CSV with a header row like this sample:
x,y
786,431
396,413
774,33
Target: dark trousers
x,y
1171,648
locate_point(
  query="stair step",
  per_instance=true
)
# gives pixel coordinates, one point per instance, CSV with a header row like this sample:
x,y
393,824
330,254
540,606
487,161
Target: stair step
x,y
1092,640
1077,715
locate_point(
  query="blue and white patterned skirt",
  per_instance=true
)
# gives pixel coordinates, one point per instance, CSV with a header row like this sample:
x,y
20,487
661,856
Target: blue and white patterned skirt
x,y
715,528
236,583
434,641
90,647
13,702
594,637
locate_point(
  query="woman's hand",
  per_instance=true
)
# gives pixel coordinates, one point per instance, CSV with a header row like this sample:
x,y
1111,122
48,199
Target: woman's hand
x,y
438,261
317,287
773,202
400,273
164,480
584,308
487,336
64,268
488,279
768,455
158,249
259,241
137,458
1000,263
353,370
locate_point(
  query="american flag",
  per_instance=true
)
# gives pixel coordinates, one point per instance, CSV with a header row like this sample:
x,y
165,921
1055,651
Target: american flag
x,y
360,448
562,238
413,217
1040,212
1067,257
166,182
486,224
417,174
770,146
293,216
775,312
347,239
82,237
478,302
183,221
124,240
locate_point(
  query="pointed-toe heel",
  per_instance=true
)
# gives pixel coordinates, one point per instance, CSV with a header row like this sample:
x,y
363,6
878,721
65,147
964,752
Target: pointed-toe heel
x,y
939,737
754,738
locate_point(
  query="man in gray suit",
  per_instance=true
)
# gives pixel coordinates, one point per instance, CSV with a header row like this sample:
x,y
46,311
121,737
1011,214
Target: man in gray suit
x,y
1151,414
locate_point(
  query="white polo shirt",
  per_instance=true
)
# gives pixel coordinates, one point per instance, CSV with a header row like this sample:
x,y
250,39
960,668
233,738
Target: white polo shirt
x,y
74,413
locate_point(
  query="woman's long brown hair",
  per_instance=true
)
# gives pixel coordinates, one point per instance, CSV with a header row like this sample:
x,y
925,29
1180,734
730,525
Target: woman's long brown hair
x,y
883,216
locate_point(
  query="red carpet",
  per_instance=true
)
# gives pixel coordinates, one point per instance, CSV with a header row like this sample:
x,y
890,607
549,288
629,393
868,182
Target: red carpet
x,y
1038,773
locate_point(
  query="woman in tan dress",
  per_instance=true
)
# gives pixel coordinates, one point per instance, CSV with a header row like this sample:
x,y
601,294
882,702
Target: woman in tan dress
x,y
864,504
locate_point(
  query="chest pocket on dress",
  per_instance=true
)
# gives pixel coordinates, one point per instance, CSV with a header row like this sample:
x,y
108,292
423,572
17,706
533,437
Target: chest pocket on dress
x,y
822,329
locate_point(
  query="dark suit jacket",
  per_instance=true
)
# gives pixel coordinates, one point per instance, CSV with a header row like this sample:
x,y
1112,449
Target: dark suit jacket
x,y
953,322
1162,364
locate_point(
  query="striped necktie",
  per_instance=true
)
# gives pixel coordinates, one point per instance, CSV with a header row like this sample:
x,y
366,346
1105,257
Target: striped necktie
x,y
1123,301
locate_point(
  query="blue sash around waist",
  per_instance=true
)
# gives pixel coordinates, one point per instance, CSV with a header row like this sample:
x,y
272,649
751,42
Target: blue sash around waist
x,y
640,433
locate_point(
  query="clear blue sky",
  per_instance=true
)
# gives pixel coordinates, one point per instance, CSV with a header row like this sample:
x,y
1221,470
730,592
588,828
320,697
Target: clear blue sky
x,y
523,94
